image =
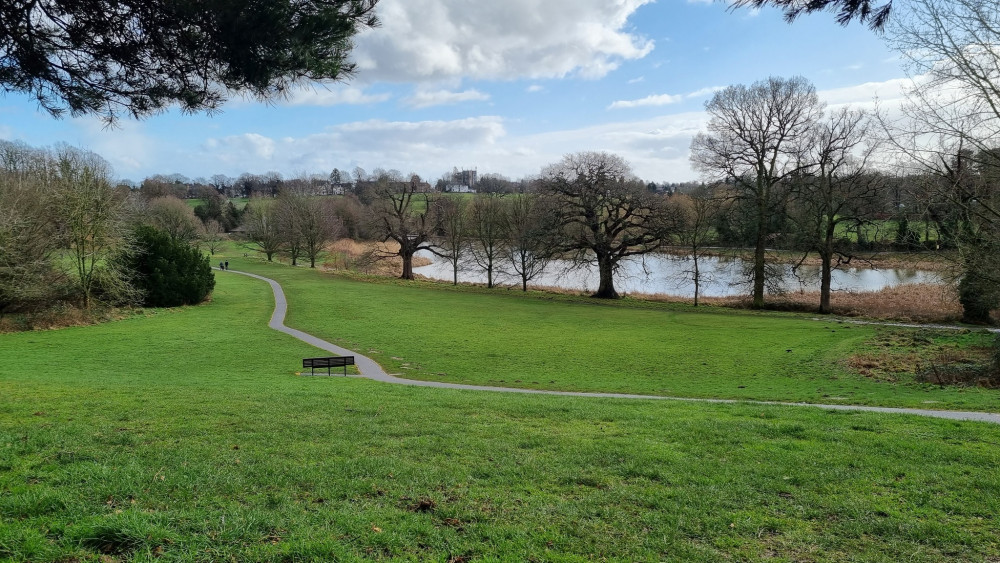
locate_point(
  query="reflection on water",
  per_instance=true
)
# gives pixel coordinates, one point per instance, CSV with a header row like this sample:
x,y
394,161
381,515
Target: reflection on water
x,y
671,275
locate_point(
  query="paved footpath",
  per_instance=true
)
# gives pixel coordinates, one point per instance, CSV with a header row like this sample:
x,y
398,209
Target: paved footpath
x,y
371,370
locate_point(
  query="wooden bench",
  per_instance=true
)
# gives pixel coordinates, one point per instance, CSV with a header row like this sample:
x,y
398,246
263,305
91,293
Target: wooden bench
x,y
333,362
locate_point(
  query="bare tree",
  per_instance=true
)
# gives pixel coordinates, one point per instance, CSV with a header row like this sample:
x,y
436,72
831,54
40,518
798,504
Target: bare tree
x,y
262,227
696,214
174,217
837,189
494,184
487,231
352,216
29,239
950,130
290,210
319,225
211,235
754,141
397,217
528,230
451,242
92,219
604,212
158,186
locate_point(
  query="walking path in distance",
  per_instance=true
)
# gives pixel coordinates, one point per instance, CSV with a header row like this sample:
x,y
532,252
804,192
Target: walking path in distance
x,y
371,370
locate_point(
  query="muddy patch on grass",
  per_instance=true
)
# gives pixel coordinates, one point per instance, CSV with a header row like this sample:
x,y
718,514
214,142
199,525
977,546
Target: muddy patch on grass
x,y
924,356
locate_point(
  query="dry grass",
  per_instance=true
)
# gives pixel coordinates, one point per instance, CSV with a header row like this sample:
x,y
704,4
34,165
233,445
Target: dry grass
x,y
897,355
61,316
884,367
373,258
927,303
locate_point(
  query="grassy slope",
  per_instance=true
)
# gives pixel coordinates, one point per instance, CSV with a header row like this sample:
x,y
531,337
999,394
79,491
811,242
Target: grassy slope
x,y
141,439
434,332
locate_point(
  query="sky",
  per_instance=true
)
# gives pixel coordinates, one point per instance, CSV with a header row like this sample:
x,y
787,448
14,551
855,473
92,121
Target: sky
x,y
500,87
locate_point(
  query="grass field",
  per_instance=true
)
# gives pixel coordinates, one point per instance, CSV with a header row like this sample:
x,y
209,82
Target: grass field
x,y
185,435
469,335
239,202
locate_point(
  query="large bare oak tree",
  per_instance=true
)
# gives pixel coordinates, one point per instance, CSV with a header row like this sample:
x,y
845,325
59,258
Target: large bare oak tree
x,y
604,212
755,140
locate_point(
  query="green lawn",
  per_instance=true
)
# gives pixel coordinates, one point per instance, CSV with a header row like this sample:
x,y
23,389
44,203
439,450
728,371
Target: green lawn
x,y
239,202
468,335
185,435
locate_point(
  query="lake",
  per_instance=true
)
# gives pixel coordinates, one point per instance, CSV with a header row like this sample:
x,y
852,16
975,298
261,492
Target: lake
x,y
670,275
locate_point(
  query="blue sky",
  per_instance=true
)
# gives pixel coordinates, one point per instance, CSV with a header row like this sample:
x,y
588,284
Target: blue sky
x,y
503,87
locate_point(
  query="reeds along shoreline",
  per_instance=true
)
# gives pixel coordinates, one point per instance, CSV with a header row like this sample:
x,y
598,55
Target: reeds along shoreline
x,y
375,258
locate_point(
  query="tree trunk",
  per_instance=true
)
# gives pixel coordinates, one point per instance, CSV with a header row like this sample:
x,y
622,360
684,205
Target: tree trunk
x,y
269,255
758,274
697,278
607,288
407,265
826,273
489,276
759,253
454,271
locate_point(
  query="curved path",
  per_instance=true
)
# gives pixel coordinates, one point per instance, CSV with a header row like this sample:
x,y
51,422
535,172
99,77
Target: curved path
x,y
371,370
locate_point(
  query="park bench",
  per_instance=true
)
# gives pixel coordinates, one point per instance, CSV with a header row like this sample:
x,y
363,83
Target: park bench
x,y
333,362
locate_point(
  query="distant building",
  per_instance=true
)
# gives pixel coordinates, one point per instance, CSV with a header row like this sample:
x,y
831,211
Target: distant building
x,y
465,178
459,189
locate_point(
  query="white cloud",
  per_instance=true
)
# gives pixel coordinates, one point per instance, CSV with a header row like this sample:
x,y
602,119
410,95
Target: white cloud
x,y
654,100
419,146
433,40
663,99
637,80
323,95
127,146
657,147
865,94
424,98
248,147
535,88
705,91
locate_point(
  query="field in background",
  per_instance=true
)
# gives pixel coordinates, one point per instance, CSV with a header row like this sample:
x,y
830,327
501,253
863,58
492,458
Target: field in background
x,y
239,202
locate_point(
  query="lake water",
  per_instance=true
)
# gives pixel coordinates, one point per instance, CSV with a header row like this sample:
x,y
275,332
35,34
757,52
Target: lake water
x,y
671,275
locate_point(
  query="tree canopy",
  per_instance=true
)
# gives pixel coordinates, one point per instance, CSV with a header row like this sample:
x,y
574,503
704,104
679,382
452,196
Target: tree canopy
x,y
865,11
604,211
135,57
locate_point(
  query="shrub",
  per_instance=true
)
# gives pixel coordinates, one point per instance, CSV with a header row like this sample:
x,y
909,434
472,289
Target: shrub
x,y
978,297
169,272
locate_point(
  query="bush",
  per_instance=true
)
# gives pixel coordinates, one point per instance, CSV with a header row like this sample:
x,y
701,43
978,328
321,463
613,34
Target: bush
x,y
168,272
978,297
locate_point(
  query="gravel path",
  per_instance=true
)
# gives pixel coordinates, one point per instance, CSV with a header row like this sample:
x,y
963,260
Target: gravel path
x,y
371,370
